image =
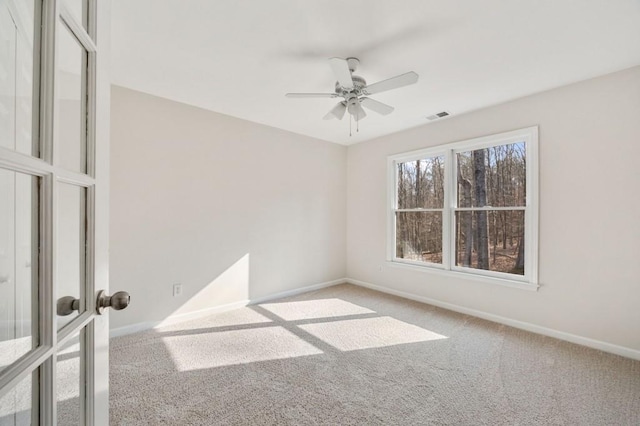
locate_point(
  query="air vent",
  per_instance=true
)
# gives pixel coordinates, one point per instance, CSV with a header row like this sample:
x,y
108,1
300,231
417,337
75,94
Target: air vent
x,y
438,115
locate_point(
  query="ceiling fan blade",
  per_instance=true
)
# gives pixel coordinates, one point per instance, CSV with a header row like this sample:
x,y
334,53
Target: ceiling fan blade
x,y
311,95
391,83
376,106
341,70
337,111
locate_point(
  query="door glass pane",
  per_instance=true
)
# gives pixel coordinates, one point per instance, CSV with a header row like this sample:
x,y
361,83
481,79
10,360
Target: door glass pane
x,y
16,76
419,236
69,380
18,264
78,9
70,115
15,405
71,247
491,240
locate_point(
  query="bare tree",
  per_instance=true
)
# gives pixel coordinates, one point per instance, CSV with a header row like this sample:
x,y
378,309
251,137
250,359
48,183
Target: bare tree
x,y
519,267
479,180
464,220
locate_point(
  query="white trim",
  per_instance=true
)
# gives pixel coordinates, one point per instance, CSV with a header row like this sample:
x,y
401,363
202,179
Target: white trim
x,y
448,219
133,328
419,265
392,195
76,28
173,319
296,291
18,162
516,279
531,219
98,138
46,42
430,152
475,143
462,273
200,313
573,338
418,210
487,209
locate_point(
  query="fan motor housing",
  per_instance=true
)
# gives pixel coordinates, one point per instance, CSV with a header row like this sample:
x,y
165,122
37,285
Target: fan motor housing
x,y
358,84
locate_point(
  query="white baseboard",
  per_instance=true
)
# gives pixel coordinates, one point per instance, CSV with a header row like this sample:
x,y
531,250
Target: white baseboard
x,y
584,341
173,319
296,291
133,328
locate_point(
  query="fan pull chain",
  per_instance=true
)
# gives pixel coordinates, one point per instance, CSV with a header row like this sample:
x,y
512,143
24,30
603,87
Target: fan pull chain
x,y
357,126
350,125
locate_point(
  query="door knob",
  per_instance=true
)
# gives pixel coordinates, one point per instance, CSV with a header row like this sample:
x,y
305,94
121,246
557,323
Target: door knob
x,y
118,301
66,305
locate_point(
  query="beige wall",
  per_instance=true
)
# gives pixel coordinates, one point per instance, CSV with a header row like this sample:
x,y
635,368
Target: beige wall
x,y
208,201
589,210
230,209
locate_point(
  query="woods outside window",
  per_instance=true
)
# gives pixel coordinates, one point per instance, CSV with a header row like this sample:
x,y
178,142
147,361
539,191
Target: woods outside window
x,y
468,207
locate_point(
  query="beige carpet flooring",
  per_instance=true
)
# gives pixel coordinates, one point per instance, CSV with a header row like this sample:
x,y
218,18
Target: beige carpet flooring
x,y
350,356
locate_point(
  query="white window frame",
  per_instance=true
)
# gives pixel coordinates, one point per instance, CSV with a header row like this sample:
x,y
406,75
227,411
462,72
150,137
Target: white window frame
x,y
527,281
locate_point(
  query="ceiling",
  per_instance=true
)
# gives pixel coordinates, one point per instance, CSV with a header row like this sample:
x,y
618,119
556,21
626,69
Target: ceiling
x,y
239,57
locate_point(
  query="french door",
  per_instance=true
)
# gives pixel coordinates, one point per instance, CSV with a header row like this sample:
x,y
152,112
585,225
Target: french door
x,y
54,118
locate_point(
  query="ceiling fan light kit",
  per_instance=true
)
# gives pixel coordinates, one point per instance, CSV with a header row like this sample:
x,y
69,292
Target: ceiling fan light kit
x,y
355,91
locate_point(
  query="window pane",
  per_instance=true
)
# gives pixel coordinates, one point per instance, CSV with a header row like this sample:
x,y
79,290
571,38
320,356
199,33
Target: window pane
x,y
78,9
16,404
419,236
69,381
70,115
16,76
491,240
71,242
492,176
18,264
421,184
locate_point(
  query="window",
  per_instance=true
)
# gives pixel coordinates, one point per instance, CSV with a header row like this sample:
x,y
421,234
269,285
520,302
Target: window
x,y
468,207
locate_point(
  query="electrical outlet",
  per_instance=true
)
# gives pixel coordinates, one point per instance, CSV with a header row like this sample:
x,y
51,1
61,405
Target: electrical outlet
x,y
177,290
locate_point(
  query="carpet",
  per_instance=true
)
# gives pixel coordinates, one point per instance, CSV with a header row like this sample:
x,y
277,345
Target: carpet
x,y
345,355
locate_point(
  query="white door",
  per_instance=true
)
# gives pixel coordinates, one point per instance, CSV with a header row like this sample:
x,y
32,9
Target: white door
x,y
54,171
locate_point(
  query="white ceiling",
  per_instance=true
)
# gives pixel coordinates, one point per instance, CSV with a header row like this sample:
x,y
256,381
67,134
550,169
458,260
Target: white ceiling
x,y
239,57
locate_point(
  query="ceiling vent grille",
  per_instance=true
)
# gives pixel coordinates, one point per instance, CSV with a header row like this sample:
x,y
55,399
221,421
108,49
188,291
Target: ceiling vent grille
x,y
438,115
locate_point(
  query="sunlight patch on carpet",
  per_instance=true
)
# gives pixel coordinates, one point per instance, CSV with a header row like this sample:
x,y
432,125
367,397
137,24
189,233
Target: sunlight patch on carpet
x,y
368,333
11,350
311,309
218,349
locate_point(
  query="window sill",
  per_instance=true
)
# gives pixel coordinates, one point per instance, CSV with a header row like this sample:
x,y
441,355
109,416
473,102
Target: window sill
x,y
438,270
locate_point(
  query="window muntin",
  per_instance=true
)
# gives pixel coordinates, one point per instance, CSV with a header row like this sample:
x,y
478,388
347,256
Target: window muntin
x,y
468,207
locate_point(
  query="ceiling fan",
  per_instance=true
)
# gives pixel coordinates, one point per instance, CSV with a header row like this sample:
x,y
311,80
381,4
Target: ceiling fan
x,y
354,90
